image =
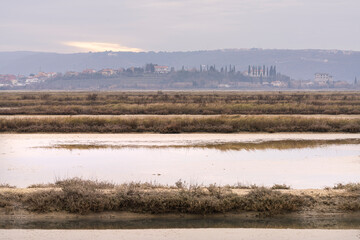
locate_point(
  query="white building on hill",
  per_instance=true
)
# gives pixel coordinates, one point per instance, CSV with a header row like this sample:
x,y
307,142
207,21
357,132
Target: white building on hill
x,y
161,69
323,78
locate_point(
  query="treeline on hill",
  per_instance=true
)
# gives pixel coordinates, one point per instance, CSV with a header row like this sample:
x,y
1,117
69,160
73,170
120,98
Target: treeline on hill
x,y
170,102
141,78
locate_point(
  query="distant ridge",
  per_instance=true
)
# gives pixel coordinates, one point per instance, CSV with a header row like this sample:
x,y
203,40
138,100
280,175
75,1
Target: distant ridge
x,y
298,64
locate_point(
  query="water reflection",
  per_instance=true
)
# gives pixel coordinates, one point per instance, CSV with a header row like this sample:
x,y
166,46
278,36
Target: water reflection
x,y
351,221
298,160
233,146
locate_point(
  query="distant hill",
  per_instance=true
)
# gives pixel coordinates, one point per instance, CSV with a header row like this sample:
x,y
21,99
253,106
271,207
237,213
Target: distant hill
x,y
298,64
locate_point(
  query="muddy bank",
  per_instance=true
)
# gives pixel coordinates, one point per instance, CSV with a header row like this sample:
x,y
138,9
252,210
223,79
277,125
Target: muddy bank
x,y
126,220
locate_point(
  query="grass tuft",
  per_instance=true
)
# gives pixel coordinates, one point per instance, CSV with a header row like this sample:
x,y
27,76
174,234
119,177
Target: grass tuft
x,y
351,187
6,185
280,186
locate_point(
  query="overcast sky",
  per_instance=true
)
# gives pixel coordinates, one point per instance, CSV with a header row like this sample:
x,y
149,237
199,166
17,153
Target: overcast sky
x,y
178,25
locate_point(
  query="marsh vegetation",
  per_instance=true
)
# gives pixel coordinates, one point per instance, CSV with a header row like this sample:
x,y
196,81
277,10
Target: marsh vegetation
x,y
172,102
228,146
181,124
84,196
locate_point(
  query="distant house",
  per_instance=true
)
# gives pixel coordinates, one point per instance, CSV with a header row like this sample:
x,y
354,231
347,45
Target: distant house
x,y
51,74
89,71
7,79
31,80
44,75
107,72
278,84
41,75
323,79
162,69
71,74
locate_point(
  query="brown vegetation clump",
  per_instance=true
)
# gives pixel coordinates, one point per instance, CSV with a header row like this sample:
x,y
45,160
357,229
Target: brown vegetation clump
x,y
280,186
86,184
208,103
352,204
83,196
6,185
352,187
219,124
273,202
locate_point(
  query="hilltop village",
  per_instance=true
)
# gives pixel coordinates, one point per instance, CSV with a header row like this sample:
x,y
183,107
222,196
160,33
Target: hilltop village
x,y
154,76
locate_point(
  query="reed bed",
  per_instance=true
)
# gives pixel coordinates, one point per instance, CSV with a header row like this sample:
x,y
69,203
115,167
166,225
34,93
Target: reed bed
x,y
84,196
79,196
192,103
228,146
184,124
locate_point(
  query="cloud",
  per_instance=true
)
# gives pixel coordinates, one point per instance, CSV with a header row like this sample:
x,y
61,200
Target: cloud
x,y
101,47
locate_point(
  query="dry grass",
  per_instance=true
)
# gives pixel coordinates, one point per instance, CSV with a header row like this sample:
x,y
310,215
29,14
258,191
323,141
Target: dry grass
x,y
84,196
220,124
352,204
180,103
6,185
280,186
351,187
233,146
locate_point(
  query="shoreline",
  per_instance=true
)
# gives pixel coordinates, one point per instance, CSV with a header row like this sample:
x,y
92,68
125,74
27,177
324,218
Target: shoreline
x,y
128,220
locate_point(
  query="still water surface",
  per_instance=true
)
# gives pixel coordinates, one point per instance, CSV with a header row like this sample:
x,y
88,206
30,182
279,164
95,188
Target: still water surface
x,y
182,234
195,158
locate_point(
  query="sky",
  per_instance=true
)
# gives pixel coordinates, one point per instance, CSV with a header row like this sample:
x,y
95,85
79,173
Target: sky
x,y
69,26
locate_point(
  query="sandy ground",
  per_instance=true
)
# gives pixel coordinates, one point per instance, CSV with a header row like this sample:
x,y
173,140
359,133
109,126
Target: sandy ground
x,y
182,234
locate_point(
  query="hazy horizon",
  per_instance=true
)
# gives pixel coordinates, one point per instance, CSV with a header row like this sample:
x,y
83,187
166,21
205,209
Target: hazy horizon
x,y
184,51
178,26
